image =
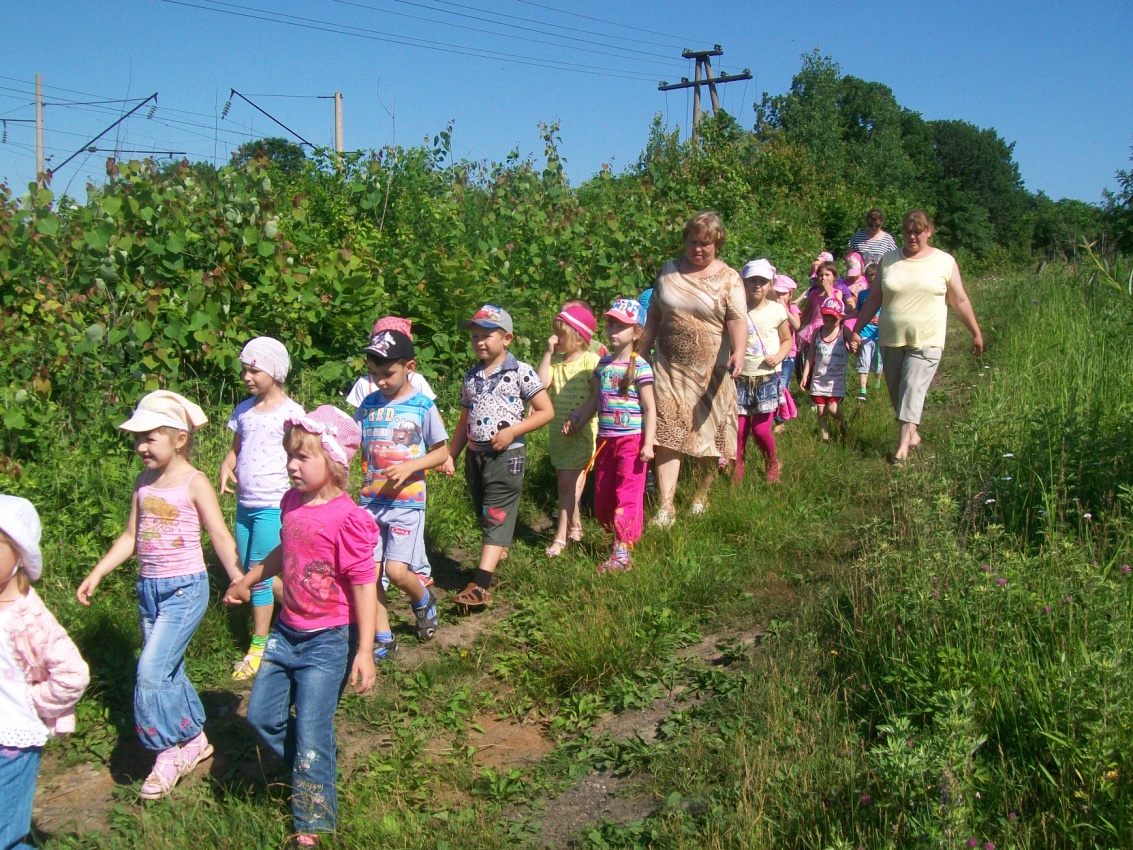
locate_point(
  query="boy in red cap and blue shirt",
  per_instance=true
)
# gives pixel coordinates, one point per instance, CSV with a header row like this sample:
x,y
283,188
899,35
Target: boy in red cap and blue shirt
x,y
402,436
493,399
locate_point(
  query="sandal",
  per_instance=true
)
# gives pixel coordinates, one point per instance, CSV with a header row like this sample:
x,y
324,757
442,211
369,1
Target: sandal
x,y
556,548
164,775
193,753
473,598
249,665
575,534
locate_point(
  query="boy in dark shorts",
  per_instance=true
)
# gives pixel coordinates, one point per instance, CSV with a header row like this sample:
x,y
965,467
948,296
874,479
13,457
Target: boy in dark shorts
x,y
492,425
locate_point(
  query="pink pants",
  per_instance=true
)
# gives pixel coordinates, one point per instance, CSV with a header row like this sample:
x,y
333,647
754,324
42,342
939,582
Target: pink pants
x,y
759,426
619,486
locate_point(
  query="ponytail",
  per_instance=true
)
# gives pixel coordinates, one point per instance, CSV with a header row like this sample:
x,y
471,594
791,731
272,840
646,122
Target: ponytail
x,y
631,373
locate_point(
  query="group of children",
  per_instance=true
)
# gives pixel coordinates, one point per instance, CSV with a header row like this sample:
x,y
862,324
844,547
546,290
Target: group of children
x,y
334,557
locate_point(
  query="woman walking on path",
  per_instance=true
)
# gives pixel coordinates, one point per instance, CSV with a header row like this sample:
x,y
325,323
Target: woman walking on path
x,y
872,243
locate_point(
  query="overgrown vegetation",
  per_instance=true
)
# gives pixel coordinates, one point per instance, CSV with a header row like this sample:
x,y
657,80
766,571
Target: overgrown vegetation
x,y
944,653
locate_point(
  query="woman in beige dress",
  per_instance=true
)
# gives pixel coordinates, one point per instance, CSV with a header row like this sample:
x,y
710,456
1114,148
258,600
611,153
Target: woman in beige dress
x,y
697,329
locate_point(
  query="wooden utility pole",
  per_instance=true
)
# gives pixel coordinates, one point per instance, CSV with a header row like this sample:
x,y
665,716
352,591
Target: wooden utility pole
x,y
703,64
338,122
39,170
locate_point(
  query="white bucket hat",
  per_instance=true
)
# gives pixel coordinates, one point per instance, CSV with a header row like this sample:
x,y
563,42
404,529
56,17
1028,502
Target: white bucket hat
x,y
20,521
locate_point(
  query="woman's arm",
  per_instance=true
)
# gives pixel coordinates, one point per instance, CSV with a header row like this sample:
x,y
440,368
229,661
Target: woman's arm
x,y
737,337
958,298
652,324
120,552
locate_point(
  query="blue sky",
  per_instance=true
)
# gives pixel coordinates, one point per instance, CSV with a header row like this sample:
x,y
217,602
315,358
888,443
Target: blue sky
x,y
1055,79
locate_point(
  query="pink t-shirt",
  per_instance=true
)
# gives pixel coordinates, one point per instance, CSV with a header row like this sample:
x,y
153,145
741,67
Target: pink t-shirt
x,y
327,549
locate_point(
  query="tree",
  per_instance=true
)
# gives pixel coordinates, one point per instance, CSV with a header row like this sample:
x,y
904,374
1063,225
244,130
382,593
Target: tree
x,y
1119,208
287,156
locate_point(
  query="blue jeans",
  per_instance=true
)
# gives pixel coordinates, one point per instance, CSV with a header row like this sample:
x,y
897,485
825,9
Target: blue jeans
x,y
308,669
19,769
167,710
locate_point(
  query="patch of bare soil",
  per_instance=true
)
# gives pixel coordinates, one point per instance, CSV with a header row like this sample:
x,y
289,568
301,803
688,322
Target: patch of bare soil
x,y
600,796
507,743
709,649
73,800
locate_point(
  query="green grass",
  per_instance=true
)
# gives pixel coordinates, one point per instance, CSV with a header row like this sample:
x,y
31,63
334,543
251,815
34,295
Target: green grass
x,y
903,695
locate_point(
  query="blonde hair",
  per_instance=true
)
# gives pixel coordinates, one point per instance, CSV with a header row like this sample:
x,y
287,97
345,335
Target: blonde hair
x,y
705,223
296,439
570,340
22,583
631,368
186,451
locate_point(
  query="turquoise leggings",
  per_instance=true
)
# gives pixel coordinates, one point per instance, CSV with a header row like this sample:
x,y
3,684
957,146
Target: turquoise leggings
x,y
257,533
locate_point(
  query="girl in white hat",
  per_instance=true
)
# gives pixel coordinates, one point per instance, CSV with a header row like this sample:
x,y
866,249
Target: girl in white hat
x,y
171,502
42,674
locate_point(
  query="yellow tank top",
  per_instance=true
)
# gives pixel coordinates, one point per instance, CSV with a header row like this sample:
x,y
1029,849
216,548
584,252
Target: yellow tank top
x,y
914,312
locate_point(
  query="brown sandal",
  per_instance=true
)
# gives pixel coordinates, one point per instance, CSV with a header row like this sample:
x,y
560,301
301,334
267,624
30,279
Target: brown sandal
x,y
473,597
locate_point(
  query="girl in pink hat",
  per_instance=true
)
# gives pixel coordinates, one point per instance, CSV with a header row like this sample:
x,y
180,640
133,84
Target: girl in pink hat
x,y
566,369
170,503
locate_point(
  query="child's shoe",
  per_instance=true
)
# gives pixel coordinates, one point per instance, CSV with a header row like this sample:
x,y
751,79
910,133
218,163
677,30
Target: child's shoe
x,y
247,667
384,650
664,518
163,776
619,559
427,619
773,471
193,753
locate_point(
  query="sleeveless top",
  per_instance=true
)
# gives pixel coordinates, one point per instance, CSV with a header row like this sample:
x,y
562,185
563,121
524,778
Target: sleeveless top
x,y
830,361
168,537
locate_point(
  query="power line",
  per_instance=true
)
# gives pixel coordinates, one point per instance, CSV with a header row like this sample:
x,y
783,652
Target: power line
x,y
511,26
376,35
673,43
235,93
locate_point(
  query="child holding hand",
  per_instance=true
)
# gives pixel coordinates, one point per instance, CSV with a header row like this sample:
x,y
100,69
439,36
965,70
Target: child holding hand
x,y
622,396
42,674
492,424
325,631
824,374
566,370
171,502
257,465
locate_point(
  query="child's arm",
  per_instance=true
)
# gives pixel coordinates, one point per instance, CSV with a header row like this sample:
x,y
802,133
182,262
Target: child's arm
x,y
542,412
436,456
459,437
204,499
779,356
794,317
649,421
228,466
581,414
120,552
362,672
865,315
240,591
808,366
544,369
67,674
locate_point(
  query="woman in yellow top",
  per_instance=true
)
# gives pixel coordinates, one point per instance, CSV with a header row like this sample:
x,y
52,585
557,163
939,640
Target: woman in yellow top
x,y
917,281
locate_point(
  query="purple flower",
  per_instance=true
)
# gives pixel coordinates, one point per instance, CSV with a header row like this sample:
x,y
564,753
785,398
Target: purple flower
x,y
972,842
1002,582
1046,609
1125,568
987,569
936,594
865,799
1089,516
989,846
1068,599
1011,816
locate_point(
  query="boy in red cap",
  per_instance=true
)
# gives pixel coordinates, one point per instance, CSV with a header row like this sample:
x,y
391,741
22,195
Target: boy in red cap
x,y
824,375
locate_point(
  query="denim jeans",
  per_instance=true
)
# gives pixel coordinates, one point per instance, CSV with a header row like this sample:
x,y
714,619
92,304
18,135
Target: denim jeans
x,y
19,769
309,669
167,710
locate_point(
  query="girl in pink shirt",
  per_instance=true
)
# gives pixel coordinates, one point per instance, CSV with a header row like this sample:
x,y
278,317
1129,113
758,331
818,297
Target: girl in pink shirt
x,y
171,501
42,674
325,632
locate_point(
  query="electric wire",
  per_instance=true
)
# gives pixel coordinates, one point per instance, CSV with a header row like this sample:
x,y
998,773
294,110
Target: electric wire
x,y
603,21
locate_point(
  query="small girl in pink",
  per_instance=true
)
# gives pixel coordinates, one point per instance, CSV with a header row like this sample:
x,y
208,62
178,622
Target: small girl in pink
x,y
171,501
782,288
42,674
622,396
325,632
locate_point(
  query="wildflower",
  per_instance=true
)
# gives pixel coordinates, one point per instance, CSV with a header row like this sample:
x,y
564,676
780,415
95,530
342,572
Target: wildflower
x,y
865,799
1002,582
985,568
1046,609
989,501
1005,478
936,594
1008,454
1011,816
989,846
972,842
1092,563
1089,515
1068,599
1125,569
833,652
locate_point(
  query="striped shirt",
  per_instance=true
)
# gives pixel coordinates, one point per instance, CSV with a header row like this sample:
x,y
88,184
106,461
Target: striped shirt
x,y
872,250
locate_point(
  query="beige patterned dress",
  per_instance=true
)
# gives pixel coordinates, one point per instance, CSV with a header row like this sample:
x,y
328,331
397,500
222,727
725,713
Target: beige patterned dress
x,y
696,398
